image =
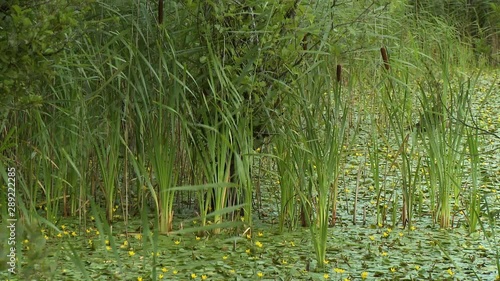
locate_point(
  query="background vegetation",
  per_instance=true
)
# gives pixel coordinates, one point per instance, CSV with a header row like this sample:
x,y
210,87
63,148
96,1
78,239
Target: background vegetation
x,y
142,119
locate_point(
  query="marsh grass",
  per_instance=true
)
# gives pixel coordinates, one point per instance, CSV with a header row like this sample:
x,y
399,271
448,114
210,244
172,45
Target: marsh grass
x,y
108,151
217,158
321,136
289,181
397,101
172,109
445,116
474,203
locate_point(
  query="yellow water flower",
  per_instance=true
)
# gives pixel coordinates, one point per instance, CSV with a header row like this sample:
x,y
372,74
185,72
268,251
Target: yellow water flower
x,y
450,272
417,267
131,253
339,270
175,271
161,276
139,278
204,277
193,275
260,234
326,276
258,244
177,242
108,248
260,274
372,237
164,269
247,251
364,275
393,269
224,257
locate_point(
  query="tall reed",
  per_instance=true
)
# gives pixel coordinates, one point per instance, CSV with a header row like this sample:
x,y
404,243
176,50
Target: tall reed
x,y
398,102
163,154
217,159
321,137
290,180
107,149
474,204
443,130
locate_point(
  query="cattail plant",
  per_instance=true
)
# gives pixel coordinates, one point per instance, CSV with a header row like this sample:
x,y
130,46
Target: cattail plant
x,y
398,101
321,139
444,140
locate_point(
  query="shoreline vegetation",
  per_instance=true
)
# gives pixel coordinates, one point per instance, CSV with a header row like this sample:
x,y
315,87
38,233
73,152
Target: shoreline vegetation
x,y
250,140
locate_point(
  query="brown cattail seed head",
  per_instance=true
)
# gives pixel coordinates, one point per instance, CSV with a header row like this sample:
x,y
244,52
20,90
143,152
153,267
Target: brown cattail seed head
x,y
385,58
160,12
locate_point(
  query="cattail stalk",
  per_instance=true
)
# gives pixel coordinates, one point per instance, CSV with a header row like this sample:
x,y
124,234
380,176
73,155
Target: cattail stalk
x,y
339,73
385,57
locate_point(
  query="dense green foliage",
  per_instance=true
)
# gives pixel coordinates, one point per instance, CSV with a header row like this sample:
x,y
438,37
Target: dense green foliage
x,y
157,113
476,21
32,39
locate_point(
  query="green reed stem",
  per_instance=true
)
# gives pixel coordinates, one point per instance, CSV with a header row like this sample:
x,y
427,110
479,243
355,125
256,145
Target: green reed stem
x,y
443,120
474,207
